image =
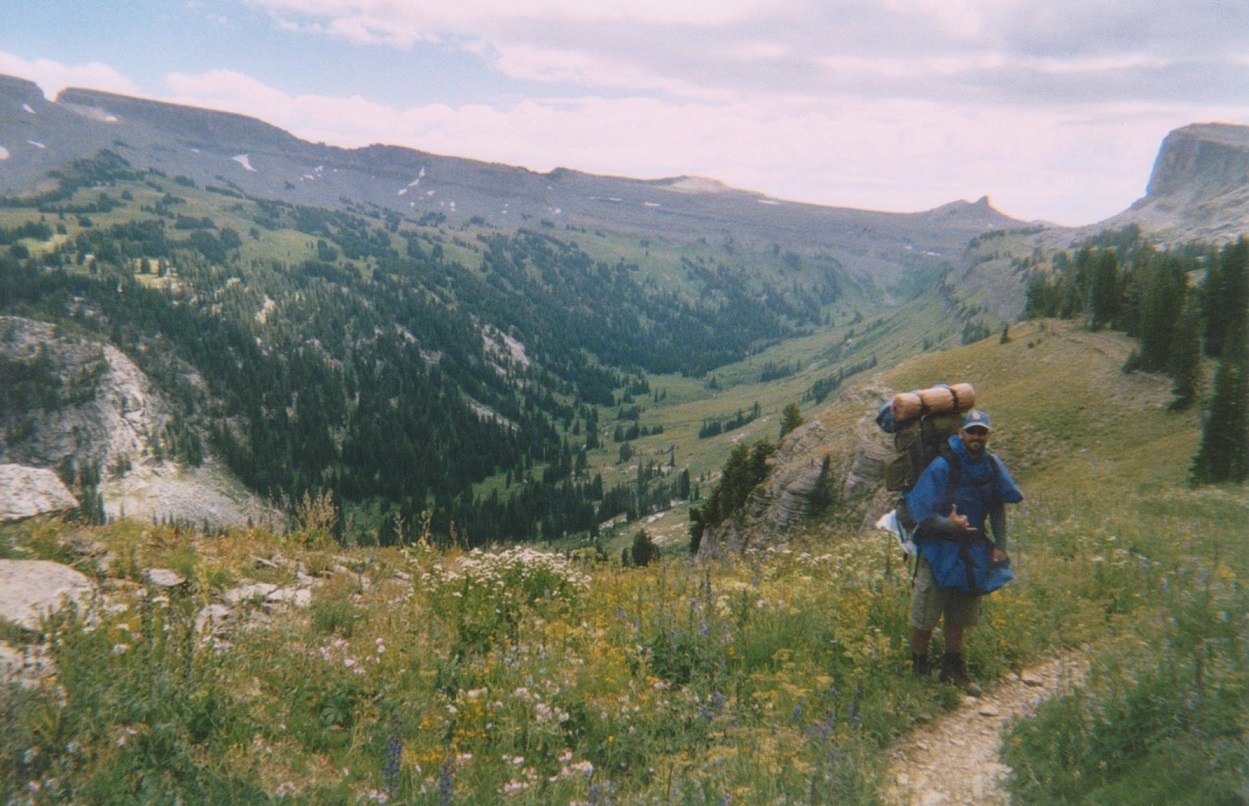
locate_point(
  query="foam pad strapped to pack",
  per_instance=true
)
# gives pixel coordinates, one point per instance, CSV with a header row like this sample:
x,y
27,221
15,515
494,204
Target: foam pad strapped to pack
x,y
939,399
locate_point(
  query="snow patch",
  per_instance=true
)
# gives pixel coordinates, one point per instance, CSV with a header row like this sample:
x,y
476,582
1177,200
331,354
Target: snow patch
x,y
4,153
651,204
28,109
36,144
403,191
773,202
698,184
242,159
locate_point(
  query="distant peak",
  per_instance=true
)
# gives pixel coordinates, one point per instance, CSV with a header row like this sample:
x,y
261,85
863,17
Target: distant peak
x,y
963,207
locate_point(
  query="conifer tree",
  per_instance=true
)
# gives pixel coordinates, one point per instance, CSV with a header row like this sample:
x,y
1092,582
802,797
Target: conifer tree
x,y
1165,292
1224,452
1185,358
1226,295
1104,291
791,418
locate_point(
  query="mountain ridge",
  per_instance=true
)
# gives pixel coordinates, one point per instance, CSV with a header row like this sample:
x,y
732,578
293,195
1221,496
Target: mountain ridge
x,y
252,157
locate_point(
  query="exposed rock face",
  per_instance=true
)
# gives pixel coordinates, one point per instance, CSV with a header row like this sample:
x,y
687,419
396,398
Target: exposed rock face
x,y
70,398
29,491
847,463
1202,161
30,589
82,400
1199,188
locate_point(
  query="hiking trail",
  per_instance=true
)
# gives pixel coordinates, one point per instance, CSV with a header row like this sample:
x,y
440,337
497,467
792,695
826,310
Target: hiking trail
x,y
954,759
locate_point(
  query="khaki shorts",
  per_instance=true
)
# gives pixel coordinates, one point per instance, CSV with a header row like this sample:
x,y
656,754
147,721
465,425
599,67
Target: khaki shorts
x,y
930,602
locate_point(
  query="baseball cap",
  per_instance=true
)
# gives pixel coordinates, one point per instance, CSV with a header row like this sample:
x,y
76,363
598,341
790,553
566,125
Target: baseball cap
x,y
977,419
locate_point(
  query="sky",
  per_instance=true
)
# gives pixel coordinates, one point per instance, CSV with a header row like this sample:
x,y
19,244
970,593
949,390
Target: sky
x,y
1055,109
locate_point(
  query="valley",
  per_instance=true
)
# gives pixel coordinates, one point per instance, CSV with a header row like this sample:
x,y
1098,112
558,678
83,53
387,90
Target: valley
x,y
386,464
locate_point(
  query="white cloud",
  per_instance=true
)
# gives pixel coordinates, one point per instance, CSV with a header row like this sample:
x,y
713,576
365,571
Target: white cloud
x,y
53,77
401,17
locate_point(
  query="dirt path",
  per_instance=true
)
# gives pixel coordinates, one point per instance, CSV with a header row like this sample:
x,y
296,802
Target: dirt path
x,y
954,760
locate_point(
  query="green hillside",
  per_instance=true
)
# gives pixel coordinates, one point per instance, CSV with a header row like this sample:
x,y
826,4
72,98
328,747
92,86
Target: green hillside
x,y
398,365
522,384
440,675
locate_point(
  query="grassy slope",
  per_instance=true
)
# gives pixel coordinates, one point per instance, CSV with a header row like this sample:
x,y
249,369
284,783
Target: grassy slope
x,y
777,677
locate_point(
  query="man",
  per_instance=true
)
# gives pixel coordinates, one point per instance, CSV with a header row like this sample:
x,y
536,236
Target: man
x,y
955,495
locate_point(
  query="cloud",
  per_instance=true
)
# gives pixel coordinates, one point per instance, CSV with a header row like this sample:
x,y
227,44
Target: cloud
x,y
985,51
53,77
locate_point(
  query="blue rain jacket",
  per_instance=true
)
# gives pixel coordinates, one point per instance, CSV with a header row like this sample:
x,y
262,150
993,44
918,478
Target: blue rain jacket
x,y
963,561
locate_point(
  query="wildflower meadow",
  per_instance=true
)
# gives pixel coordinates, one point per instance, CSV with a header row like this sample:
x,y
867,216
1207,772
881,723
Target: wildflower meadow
x,y
439,675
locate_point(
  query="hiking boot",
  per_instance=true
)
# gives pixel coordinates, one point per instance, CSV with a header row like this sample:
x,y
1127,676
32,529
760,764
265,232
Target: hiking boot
x,y
919,665
954,672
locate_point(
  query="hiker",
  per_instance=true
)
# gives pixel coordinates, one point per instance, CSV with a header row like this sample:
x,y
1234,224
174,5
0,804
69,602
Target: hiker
x,y
950,506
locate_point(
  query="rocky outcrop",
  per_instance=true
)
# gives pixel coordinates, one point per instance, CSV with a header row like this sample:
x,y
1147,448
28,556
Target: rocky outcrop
x,y
1201,161
29,491
30,589
817,458
77,399
1199,188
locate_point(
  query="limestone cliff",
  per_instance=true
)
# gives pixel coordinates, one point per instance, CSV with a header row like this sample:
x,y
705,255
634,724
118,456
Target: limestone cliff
x,y
1199,188
67,397
63,397
839,454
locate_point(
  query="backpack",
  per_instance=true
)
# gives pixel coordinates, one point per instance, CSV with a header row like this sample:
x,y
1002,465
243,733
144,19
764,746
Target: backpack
x,y
916,444
932,416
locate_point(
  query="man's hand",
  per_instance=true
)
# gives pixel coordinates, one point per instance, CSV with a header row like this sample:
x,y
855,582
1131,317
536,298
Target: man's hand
x,y
958,522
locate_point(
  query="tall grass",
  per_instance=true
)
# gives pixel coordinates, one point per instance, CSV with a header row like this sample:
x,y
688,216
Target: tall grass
x,y
428,676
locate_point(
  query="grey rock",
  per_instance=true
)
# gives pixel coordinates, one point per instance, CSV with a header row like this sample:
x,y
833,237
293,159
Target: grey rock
x,y
29,491
28,666
164,578
1199,188
249,592
214,620
109,423
296,597
30,589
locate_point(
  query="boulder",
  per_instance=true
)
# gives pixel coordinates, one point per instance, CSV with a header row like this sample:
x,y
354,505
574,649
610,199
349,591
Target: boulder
x,y
249,592
29,589
29,491
164,578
